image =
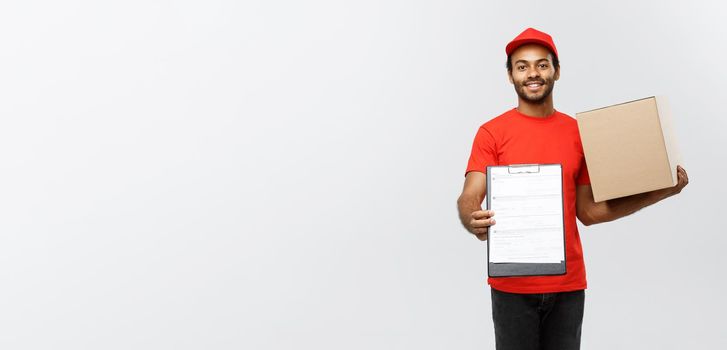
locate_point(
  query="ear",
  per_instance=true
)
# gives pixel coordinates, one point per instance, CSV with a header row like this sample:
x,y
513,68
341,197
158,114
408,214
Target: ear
x,y
557,74
509,77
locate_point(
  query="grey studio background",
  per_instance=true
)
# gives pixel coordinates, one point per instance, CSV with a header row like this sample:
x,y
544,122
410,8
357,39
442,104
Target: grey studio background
x,y
283,174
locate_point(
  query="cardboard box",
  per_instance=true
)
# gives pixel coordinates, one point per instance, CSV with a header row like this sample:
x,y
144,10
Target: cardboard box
x,y
629,148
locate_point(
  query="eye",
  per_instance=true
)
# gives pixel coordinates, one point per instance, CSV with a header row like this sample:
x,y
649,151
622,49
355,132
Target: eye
x,y
520,67
543,65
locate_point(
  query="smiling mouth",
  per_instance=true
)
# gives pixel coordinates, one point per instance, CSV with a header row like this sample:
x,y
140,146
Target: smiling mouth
x,y
534,86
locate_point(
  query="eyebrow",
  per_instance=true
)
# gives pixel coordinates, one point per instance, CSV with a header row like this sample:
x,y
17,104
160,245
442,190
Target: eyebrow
x,y
525,61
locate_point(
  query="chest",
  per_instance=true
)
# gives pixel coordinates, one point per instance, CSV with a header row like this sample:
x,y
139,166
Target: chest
x,y
542,147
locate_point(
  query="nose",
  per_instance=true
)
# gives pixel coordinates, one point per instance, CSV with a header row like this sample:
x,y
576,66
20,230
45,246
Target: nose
x,y
533,73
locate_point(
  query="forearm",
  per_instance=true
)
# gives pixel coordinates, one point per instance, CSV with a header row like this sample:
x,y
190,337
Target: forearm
x,y
466,205
617,208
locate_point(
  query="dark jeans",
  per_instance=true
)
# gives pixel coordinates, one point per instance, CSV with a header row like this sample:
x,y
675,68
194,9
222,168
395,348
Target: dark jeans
x,y
549,321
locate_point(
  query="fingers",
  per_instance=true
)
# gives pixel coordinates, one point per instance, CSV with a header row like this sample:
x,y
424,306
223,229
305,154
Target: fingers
x,y
681,171
481,214
482,218
480,222
480,233
481,236
484,223
682,179
682,174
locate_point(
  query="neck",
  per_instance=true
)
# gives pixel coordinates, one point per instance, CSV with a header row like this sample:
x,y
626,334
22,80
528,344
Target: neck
x,y
542,109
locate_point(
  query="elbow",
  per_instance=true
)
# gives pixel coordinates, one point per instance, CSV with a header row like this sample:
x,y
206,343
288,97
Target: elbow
x,y
588,218
461,205
585,221
592,217
460,201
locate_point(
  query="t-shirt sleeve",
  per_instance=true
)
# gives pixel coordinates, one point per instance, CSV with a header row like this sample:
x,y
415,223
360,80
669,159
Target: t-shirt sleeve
x,y
583,177
484,152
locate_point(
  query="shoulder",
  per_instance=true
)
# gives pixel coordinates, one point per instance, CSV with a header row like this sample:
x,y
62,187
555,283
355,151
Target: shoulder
x,y
567,118
567,123
498,121
569,126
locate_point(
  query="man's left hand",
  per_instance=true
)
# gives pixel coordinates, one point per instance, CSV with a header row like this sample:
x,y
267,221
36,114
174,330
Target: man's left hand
x,y
682,180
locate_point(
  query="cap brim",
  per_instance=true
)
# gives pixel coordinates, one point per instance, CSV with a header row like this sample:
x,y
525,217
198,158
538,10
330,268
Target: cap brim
x,y
512,46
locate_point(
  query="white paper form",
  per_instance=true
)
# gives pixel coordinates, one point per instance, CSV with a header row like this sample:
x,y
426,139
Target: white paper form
x,y
528,206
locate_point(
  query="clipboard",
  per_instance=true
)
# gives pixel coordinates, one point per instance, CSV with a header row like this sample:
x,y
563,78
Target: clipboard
x,y
519,173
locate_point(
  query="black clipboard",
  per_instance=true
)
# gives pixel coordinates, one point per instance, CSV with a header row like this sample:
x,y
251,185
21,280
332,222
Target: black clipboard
x,y
511,269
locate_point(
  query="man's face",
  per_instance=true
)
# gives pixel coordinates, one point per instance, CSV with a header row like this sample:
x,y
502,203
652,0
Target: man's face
x,y
533,74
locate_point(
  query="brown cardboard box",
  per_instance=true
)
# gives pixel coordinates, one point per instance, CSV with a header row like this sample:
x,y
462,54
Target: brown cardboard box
x,y
629,148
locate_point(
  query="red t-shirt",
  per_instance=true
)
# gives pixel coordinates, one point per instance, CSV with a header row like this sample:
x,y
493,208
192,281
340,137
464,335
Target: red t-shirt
x,y
515,138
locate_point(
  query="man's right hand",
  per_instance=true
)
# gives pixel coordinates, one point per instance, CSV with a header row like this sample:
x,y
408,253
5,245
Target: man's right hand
x,y
480,222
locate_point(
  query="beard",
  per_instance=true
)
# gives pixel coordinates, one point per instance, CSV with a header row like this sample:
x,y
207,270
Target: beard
x,y
535,97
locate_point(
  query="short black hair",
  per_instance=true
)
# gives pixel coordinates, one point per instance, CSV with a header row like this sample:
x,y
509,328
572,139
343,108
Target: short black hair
x,y
556,62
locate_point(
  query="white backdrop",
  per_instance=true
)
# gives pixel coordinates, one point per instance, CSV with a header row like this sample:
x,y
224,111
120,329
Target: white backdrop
x,y
283,174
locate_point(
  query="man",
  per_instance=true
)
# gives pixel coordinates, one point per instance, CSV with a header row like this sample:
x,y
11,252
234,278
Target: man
x,y
541,312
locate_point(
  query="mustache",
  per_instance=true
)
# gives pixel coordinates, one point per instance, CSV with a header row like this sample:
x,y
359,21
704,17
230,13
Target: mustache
x,y
539,81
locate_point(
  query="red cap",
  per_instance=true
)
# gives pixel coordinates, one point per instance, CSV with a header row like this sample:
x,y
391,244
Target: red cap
x,y
531,36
